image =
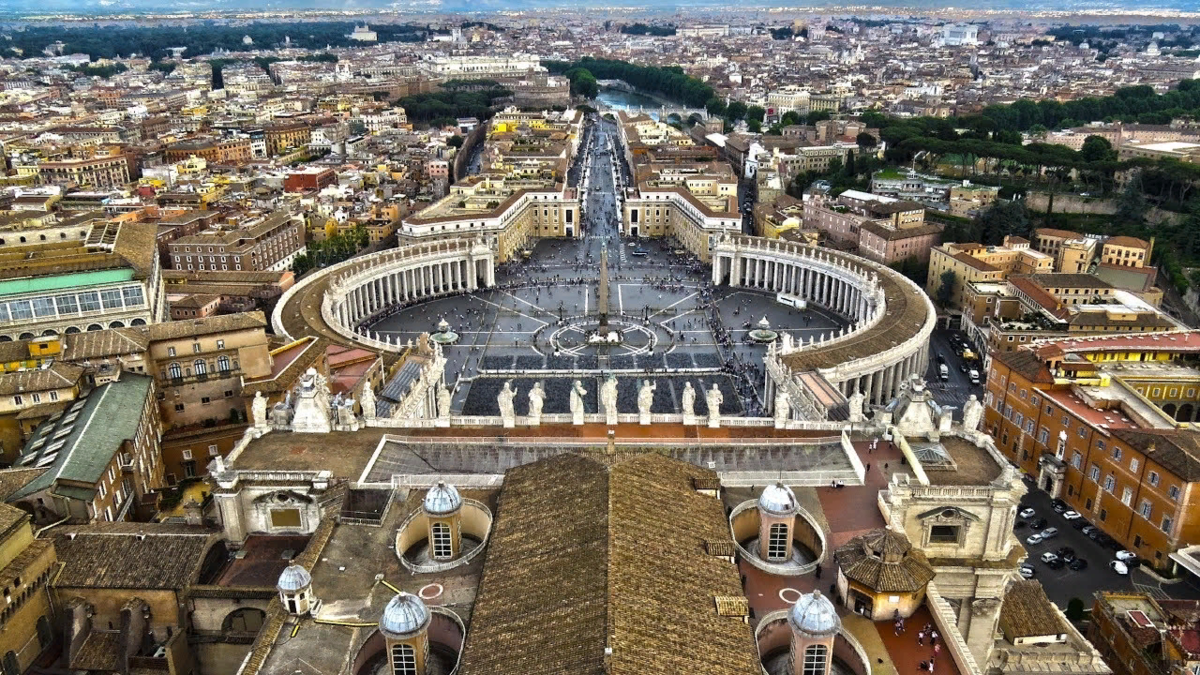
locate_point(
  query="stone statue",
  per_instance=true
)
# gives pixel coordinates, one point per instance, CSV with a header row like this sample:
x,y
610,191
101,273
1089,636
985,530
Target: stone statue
x,y
608,399
688,403
645,399
505,401
577,394
783,408
368,402
258,408
856,407
972,413
714,399
537,396
443,402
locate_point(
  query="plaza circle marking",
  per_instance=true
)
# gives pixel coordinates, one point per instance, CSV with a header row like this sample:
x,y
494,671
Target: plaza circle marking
x,y
790,590
431,591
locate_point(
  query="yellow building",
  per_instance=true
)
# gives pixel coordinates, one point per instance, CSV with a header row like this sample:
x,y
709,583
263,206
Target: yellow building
x,y
26,567
1126,251
974,263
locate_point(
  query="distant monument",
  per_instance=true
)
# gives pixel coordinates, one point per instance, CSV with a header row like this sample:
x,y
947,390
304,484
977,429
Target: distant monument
x,y
603,335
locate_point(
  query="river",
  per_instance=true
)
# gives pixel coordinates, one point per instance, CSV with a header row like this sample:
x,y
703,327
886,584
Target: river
x,y
628,100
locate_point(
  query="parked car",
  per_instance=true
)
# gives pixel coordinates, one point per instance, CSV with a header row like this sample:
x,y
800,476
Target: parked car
x,y
1048,556
1056,564
1080,524
1125,555
1027,513
1019,525
1026,571
1049,532
1034,539
1066,553
1078,564
1058,505
1072,515
1088,530
1038,524
1119,567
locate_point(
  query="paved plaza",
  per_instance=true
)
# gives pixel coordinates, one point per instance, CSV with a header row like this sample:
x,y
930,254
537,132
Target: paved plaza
x,y
674,325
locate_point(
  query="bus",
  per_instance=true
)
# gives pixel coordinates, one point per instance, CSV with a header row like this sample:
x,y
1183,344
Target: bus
x,y
791,300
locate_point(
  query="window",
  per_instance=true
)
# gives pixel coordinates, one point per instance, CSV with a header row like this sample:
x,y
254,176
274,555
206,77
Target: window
x,y
195,347
1083,432
815,659
1144,508
200,366
1173,493
1110,483
223,363
404,660
174,371
285,518
178,407
220,344
1043,435
170,351
443,546
212,450
1076,460
1094,473
1153,479
943,534
1116,453
54,396
777,542
1126,496
1166,524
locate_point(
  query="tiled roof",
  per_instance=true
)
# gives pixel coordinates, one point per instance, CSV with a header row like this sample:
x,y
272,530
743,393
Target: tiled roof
x,y
885,562
1177,450
173,330
130,555
100,344
1027,612
586,556
54,376
1026,364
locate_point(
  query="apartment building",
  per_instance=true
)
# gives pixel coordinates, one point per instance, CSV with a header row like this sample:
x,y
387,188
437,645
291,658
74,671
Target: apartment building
x,y
1098,421
968,200
199,365
696,204
28,565
266,243
285,137
973,263
109,279
96,172
215,150
1124,251
31,395
1072,252
101,454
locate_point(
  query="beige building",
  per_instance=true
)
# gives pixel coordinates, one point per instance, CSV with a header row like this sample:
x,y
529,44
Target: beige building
x,y
27,564
972,263
1124,251
966,200
1072,252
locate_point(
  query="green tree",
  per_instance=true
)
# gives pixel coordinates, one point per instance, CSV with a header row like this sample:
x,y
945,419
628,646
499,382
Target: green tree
x,y
755,126
455,141
715,106
789,118
1131,205
756,112
736,110
866,140
850,170
1004,218
1074,609
1097,149
945,291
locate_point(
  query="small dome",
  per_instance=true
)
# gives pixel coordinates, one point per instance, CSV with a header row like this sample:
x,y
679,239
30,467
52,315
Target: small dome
x,y
442,499
778,500
814,616
404,615
293,578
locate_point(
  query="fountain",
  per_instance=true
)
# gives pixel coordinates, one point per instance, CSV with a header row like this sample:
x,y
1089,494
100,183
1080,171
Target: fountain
x,y
762,332
444,336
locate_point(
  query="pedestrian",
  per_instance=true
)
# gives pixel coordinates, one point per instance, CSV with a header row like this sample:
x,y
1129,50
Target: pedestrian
x,y
933,636
921,638
885,466
868,469
937,649
817,571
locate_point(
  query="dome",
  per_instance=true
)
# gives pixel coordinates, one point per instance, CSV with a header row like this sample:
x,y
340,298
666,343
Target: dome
x,y
813,615
442,499
404,615
293,579
778,500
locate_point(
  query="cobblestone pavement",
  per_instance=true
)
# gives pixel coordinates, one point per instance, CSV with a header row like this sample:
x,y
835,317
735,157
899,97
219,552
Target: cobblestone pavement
x,y
538,316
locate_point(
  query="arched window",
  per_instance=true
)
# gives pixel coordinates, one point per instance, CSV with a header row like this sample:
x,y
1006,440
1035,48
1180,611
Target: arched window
x,y
174,371
45,635
777,543
404,660
244,620
223,363
443,547
815,658
200,366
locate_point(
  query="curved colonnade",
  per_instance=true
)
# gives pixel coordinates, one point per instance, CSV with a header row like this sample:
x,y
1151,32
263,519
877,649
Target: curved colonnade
x,y
362,289
892,320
